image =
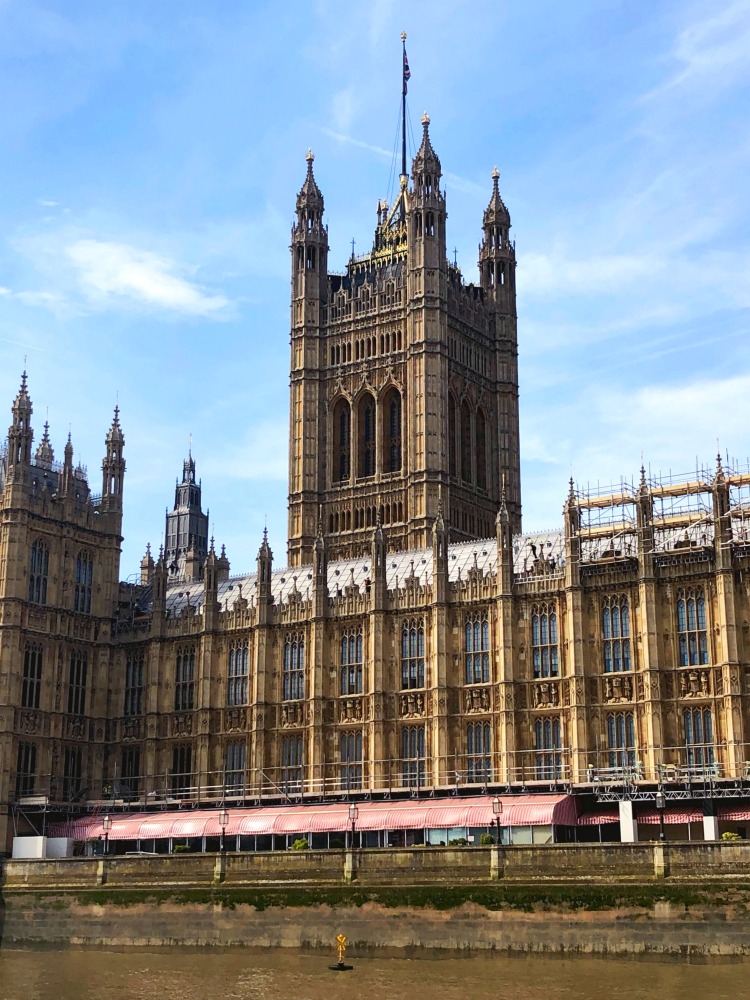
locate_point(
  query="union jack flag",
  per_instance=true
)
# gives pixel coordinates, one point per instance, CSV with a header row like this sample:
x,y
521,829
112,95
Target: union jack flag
x,y
407,71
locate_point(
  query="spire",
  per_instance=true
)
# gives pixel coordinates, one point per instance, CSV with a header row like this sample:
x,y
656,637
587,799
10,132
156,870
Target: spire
x,y
45,454
310,195
496,213
113,465
264,552
188,467
426,159
719,477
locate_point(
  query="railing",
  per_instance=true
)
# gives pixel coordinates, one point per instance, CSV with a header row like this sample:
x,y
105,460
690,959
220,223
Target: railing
x,y
718,772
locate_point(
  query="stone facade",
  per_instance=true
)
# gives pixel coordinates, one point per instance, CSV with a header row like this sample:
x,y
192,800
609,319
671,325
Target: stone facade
x,y
403,649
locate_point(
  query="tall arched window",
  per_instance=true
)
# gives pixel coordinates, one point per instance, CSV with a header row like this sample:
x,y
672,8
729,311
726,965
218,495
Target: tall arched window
x,y
544,641
392,431
616,634
547,744
479,752
351,759
691,627
621,739
184,680
477,648
412,654
32,676
481,438
452,431
366,422
291,763
413,756
351,663
342,441
294,668
38,569
84,580
235,760
699,737
466,442
238,671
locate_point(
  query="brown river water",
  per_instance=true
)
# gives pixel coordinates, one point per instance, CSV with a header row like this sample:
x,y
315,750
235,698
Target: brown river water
x,y
191,975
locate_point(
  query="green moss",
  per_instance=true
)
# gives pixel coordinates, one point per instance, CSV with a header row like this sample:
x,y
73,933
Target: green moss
x,y
559,898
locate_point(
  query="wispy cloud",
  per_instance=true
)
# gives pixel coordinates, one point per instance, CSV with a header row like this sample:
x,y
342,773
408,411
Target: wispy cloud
x,y
107,270
351,141
712,52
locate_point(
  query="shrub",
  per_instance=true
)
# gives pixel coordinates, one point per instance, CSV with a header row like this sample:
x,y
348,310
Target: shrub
x,y
458,842
181,849
300,844
729,835
485,839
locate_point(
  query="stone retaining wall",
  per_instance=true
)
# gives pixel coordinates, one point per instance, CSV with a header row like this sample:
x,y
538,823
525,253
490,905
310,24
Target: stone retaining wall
x,y
677,899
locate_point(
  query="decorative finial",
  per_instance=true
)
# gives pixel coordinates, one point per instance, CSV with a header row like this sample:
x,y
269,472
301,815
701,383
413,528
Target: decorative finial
x,y
310,157
425,119
403,36
495,174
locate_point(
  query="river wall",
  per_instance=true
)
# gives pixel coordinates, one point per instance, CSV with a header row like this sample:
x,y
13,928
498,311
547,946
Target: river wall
x,y
690,900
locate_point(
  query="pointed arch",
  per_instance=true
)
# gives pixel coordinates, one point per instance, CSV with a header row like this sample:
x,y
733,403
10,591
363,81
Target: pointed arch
x,y
480,432
466,442
391,434
366,436
452,434
342,440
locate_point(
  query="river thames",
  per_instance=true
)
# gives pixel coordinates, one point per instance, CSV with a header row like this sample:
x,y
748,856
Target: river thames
x,y
189,975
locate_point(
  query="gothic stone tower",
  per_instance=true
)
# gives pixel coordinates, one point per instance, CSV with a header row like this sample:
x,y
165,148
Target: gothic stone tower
x,y
404,380
186,533
59,572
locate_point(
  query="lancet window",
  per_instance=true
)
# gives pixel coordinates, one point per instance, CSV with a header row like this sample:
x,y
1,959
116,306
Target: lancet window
x,y
616,634
38,571
294,668
547,742
544,650
352,657
692,634
477,648
412,654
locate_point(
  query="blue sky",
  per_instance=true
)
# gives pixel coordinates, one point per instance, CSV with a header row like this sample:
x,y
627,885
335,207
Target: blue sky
x,y
150,155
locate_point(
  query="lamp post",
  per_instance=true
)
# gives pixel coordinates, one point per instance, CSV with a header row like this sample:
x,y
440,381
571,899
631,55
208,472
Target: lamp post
x,y
497,809
223,821
661,805
106,826
353,813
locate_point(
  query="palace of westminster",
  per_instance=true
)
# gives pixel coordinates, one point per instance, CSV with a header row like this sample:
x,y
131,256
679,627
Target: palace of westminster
x,y
417,642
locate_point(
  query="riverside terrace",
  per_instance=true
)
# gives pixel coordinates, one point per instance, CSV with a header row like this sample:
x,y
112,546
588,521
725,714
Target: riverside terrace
x,y
510,820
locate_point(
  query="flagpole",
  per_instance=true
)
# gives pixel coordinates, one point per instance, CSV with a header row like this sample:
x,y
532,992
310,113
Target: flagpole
x,y
403,125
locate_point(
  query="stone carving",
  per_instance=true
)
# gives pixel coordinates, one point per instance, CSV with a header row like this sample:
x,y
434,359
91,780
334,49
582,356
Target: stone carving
x,y
546,694
182,725
291,715
350,710
618,687
29,722
476,700
131,729
411,705
235,720
75,728
640,688
694,684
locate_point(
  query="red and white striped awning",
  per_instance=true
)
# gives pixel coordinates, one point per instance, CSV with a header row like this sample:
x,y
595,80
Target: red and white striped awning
x,y
412,814
673,816
736,811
